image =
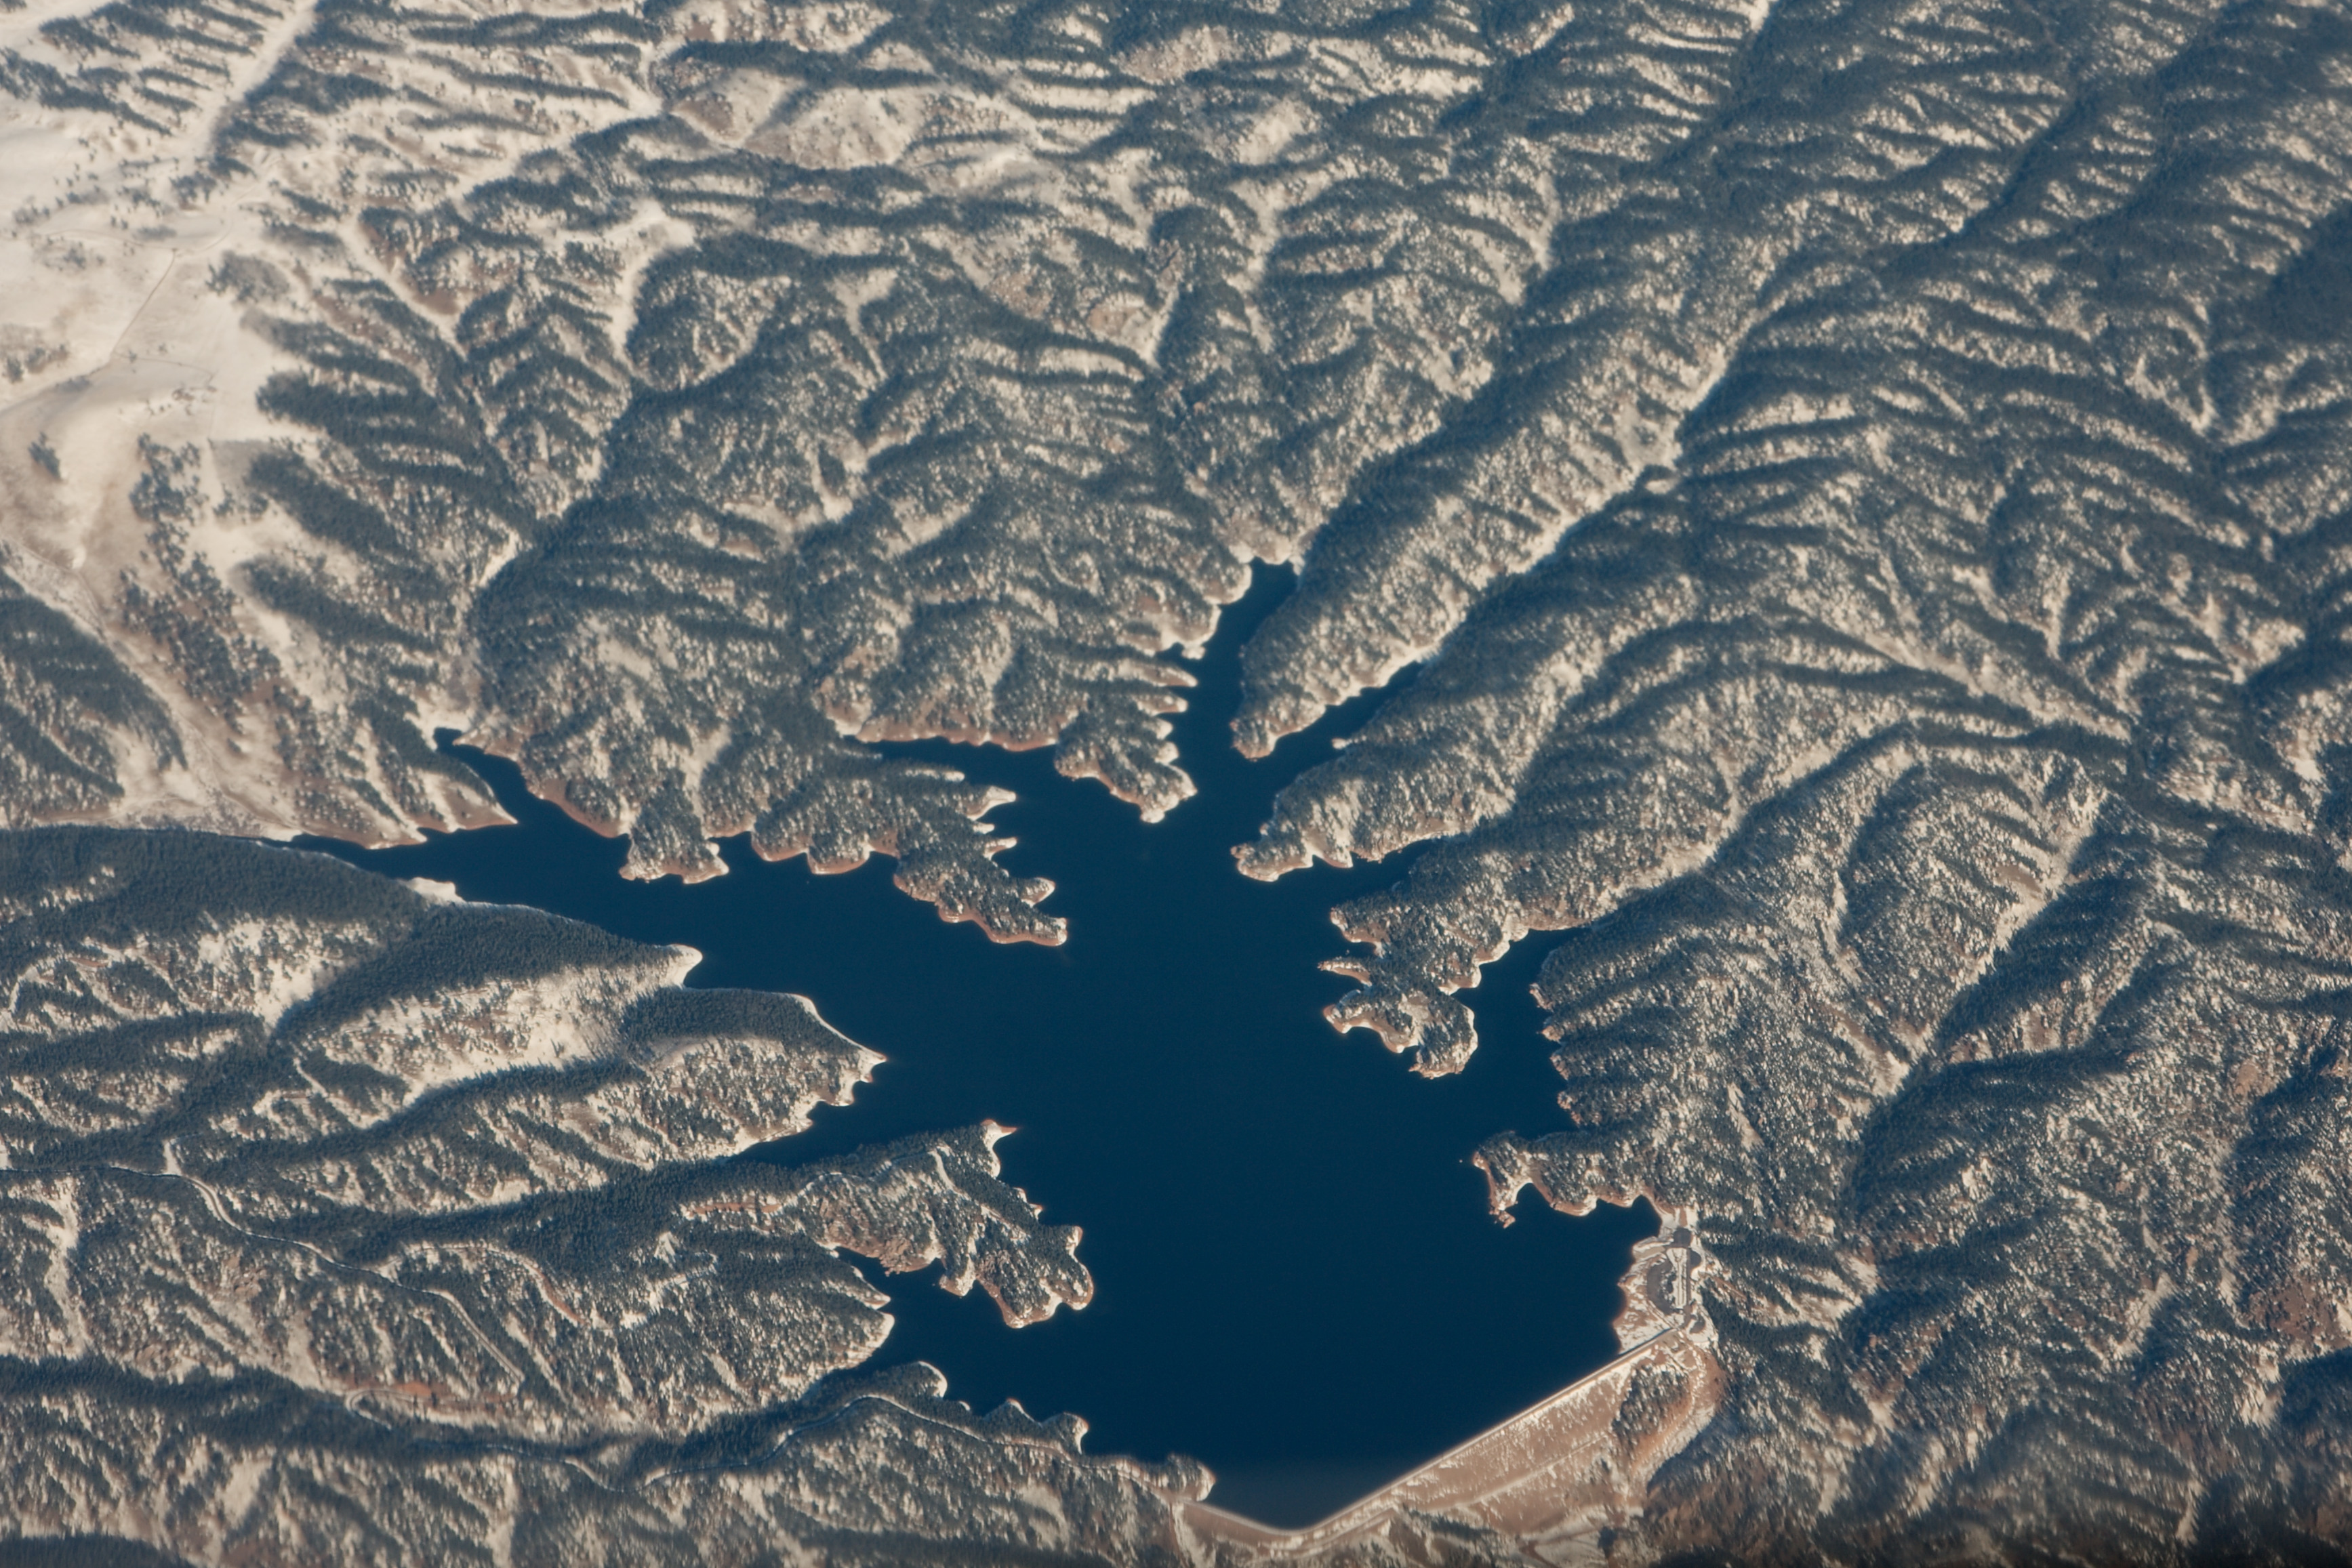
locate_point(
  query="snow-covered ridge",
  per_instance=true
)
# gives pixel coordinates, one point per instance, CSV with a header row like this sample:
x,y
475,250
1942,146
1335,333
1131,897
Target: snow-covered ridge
x,y
456,1174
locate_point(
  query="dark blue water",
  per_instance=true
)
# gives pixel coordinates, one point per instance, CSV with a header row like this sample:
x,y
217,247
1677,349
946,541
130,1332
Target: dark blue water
x,y
1296,1277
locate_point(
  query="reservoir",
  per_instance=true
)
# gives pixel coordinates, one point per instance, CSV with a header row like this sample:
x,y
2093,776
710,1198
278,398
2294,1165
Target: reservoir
x,y
1296,1281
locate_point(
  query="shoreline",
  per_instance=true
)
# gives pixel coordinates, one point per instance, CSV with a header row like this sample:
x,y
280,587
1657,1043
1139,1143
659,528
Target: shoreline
x,y
1552,1476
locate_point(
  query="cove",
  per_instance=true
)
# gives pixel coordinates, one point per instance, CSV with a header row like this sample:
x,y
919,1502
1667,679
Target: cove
x,y
1296,1281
